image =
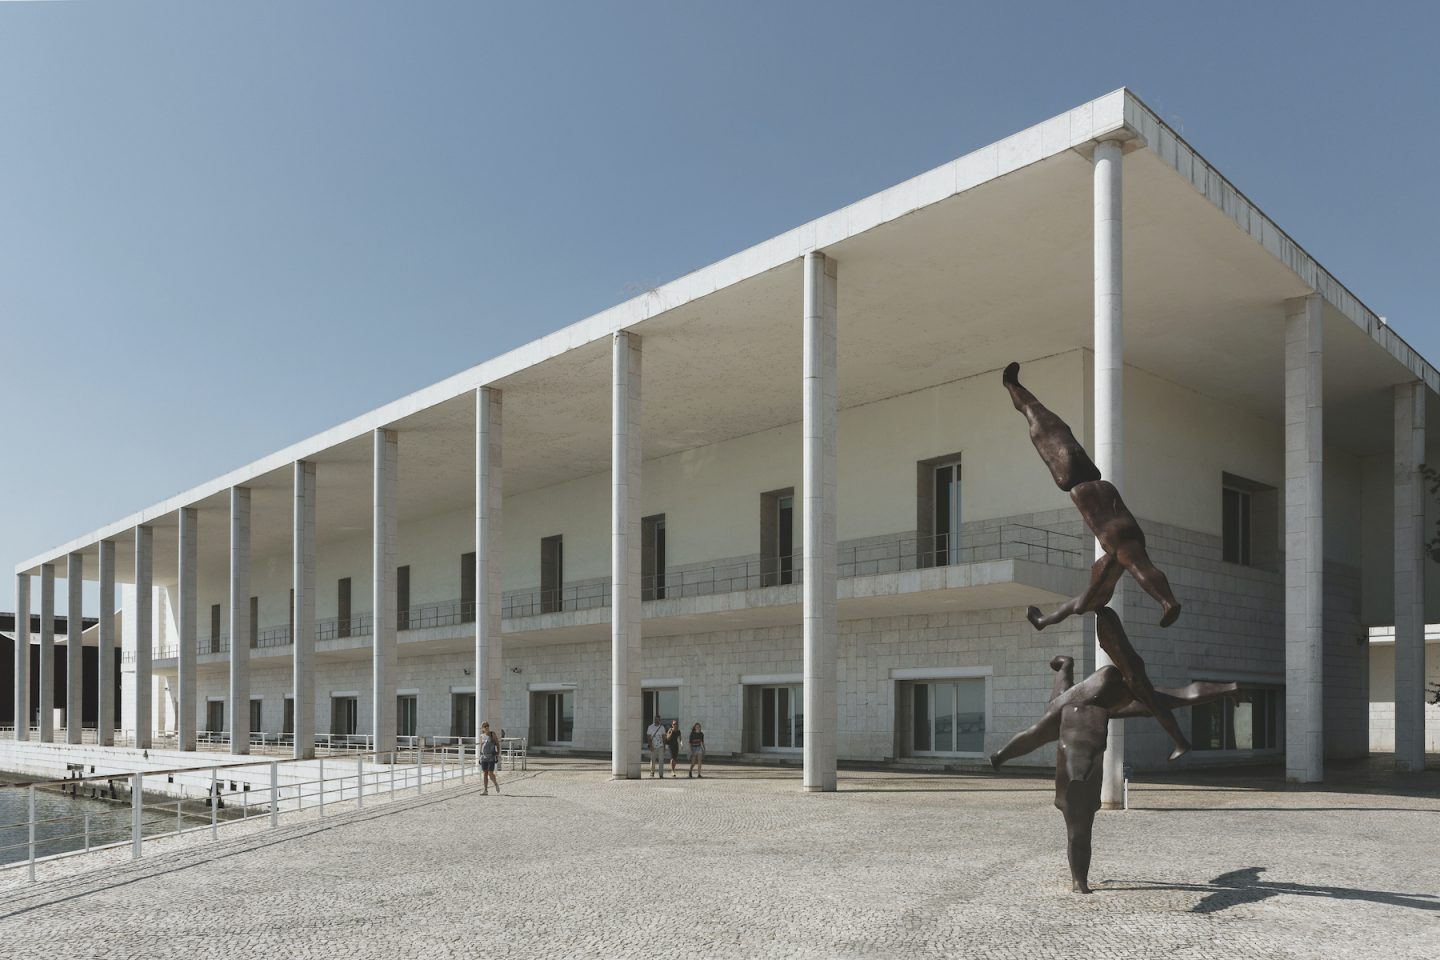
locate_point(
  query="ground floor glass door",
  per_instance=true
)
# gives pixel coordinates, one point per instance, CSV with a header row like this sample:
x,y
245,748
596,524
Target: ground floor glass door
x,y
948,716
782,717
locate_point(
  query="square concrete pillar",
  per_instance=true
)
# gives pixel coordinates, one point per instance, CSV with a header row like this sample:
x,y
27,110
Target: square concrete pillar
x,y
22,656
186,604
74,646
1304,541
47,653
820,556
1109,399
143,720
1410,563
105,630
239,693
489,514
384,602
626,724
303,583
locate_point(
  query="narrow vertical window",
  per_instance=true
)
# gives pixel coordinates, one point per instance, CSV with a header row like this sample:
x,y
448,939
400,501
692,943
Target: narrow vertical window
x,y
552,574
652,557
342,607
402,598
777,537
215,628
1235,525
256,715
254,622
467,587
287,724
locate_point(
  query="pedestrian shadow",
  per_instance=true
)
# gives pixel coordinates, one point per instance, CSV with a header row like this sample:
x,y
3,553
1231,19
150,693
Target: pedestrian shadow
x,y
1244,886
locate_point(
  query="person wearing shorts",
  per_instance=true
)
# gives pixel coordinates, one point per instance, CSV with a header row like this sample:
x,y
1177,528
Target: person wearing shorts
x,y
489,757
697,752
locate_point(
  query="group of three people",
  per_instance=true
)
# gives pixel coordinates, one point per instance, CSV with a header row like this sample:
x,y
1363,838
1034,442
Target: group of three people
x,y
661,740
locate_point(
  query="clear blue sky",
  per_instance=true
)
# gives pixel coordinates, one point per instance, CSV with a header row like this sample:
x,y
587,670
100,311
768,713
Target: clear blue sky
x,y
226,227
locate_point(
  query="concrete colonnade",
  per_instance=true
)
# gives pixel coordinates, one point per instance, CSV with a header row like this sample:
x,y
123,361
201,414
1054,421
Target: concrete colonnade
x,y
385,605
105,634
625,556
1410,563
22,656
187,567
489,519
74,645
302,581
820,624
1109,388
1304,541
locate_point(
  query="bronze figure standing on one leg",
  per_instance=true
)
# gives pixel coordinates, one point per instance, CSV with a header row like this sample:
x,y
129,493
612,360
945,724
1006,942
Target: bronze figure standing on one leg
x,y
1078,716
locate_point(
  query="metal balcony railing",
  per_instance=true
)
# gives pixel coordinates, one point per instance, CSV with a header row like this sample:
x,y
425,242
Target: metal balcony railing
x,y
871,557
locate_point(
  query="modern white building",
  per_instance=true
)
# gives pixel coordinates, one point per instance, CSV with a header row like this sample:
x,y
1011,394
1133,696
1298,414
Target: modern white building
x,y
787,496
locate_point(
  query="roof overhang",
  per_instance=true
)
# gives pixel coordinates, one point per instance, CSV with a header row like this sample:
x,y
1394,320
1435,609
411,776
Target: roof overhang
x,y
947,275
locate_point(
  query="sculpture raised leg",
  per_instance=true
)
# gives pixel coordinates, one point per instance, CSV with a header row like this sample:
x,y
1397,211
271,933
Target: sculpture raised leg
x,y
1100,505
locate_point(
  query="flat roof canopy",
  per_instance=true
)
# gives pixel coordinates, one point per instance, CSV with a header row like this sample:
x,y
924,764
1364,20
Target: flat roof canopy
x,y
954,273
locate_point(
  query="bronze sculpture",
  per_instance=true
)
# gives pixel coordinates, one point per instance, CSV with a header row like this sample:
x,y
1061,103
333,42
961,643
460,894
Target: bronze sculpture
x,y
1079,715
1100,505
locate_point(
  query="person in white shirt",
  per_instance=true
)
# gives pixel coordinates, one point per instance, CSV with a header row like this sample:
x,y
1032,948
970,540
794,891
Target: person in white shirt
x,y
655,737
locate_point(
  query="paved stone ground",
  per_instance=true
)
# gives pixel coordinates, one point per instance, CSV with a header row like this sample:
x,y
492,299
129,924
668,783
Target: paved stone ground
x,y
742,864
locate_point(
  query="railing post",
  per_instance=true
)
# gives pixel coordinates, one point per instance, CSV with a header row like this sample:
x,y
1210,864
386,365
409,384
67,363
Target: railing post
x,y
322,786
462,761
32,832
419,770
360,782
394,762
274,793
178,821
214,805
137,786
87,833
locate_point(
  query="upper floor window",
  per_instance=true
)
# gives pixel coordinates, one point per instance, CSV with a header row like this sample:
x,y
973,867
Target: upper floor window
x,y
1249,523
652,557
777,537
552,574
1235,526
467,587
215,628
342,607
937,503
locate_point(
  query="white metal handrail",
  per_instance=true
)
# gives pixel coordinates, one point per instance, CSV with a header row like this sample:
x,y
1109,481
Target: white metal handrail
x,y
357,777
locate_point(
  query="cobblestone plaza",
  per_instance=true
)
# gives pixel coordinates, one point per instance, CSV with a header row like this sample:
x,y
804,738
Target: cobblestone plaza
x,y
566,863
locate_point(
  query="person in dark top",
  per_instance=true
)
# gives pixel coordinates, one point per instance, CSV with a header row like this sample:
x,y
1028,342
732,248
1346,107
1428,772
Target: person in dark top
x,y
672,741
489,757
697,752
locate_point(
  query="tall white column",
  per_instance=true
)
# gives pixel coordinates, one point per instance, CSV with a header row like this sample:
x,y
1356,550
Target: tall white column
x,y
47,653
144,721
1410,562
1109,400
303,583
22,656
239,694
819,558
74,646
489,514
625,607
384,601
186,601
105,690
1304,541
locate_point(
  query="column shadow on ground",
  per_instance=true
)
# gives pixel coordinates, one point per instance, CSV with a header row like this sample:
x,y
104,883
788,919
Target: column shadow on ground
x,y
1243,886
